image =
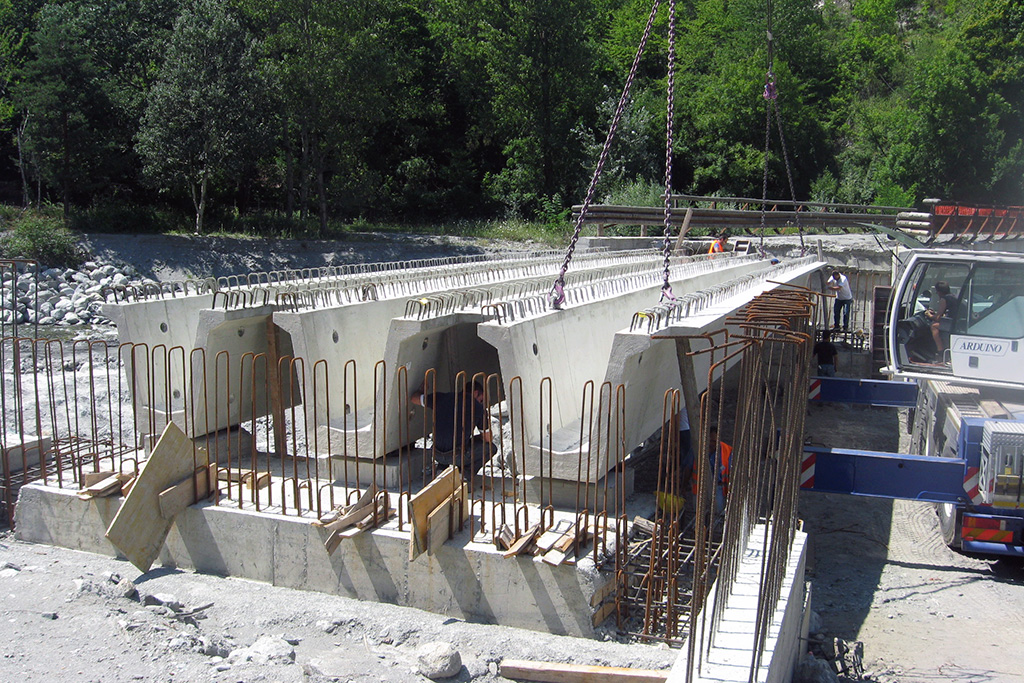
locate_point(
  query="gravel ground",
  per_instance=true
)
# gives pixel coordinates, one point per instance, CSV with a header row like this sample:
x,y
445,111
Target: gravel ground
x,y
881,574
66,617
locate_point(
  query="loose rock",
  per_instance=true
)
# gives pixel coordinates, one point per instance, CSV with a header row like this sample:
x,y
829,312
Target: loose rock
x,y
266,649
438,660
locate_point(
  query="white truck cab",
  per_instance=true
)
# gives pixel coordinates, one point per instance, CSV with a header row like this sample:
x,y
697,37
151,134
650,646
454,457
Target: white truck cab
x,y
959,316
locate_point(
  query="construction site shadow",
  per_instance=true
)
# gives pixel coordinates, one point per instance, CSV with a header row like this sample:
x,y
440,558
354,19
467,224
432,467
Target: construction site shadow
x,y
201,544
848,543
463,579
848,535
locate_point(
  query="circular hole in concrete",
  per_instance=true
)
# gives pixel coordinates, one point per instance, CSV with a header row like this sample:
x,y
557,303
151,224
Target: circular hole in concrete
x,y
426,343
348,409
334,336
241,331
163,327
535,349
231,398
176,393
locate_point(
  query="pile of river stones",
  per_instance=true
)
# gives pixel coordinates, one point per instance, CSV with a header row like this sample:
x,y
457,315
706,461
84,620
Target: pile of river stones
x,y
61,296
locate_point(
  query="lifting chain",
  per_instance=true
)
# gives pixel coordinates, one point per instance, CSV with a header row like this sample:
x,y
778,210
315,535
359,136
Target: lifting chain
x,y
771,95
557,296
666,288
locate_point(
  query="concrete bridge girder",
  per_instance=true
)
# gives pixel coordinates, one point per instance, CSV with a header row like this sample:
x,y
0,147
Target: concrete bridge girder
x,y
194,321
645,367
573,346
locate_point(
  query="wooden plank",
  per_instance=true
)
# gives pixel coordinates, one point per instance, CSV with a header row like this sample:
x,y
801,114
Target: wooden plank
x,y
90,478
439,523
603,613
247,477
103,488
256,480
442,521
564,548
342,516
548,539
129,482
644,524
550,672
505,538
358,525
176,498
425,502
138,530
524,541
602,592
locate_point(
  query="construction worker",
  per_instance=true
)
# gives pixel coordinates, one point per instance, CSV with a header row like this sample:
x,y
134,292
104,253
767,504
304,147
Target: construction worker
x,y
718,246
456,417
718,458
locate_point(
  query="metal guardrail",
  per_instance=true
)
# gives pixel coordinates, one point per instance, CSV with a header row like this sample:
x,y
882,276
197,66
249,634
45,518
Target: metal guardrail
x,y
719,219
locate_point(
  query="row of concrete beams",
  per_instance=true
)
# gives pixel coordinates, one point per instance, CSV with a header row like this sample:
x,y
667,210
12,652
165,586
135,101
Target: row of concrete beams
x,y
587,341
439,333
234,321
594,342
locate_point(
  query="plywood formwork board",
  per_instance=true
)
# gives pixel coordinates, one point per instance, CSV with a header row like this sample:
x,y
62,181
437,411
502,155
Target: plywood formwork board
x,y
552,672
425,502
138,530
188,491
444,520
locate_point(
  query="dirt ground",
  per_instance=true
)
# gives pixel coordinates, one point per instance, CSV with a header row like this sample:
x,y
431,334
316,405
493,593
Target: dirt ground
x,y
881,574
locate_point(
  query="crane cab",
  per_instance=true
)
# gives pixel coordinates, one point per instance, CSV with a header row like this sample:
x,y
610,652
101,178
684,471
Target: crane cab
x,y
959,316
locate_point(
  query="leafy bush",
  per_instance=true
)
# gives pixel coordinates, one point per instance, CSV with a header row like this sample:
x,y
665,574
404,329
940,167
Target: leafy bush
x,y
637,193
41,239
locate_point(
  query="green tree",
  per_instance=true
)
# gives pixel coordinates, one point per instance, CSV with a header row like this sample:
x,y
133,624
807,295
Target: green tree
x,y
538,59
66,109
206,115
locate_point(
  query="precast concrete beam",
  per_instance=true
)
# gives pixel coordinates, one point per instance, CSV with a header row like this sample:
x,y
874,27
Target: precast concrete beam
x,y
434,329
572,346
647,366
591,342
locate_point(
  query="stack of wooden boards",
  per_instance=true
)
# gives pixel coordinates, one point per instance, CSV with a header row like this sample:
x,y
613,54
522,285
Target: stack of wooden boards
x,y
436,512
346,521
556,545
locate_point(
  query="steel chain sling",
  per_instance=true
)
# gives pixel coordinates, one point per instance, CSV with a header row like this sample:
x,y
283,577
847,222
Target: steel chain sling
x,y
666,288
557,296
771,95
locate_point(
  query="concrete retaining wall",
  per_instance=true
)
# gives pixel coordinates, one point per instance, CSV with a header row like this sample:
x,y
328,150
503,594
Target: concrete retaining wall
x,y
467,580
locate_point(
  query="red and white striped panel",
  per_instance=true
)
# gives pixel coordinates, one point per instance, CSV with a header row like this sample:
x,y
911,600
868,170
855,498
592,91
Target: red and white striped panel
x,y
807,470
815,393
971,481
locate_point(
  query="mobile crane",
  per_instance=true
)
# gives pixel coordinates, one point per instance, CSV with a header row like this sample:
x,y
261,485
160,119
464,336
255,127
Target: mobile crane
x,y
961,375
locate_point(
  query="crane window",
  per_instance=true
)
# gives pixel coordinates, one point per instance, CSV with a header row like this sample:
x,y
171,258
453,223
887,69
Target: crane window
x,y
992,304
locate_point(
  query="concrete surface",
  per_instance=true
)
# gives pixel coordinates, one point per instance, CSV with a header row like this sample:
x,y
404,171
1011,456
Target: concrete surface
x,y
466,580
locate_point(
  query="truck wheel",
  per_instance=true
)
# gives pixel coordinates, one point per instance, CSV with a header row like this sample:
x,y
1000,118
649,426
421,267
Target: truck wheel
x,y
949,524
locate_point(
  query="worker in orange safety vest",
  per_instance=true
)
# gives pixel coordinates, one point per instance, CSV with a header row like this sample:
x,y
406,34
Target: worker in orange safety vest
x,y
718,246
718,458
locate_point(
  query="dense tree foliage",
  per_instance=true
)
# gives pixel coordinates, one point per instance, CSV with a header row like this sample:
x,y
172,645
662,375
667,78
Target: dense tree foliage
x,y
318,111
